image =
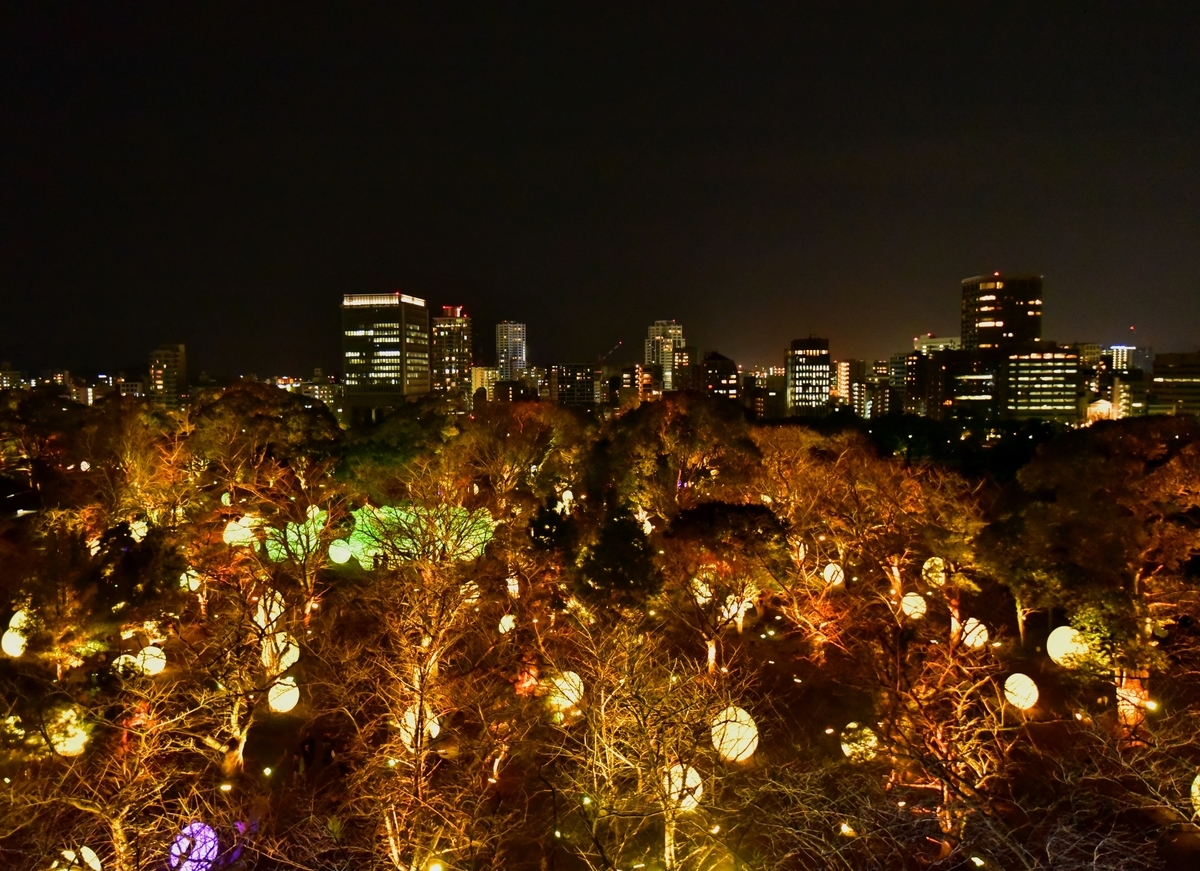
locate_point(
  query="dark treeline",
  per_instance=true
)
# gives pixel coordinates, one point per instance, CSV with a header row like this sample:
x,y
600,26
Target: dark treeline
x,y
241,637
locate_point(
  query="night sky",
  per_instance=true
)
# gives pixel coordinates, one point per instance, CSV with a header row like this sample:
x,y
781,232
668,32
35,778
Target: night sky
x,y
221,176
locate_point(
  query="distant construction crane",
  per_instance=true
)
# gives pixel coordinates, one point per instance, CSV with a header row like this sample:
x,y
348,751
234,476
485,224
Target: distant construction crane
x,y
609,353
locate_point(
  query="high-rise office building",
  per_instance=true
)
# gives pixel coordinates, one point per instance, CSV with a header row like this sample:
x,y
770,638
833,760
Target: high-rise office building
x,y
721,376
167,383
808,375
385,348
451,349
850,385
1044,384
1126,358
572,385
1176,383
1001,312
510,350
663,339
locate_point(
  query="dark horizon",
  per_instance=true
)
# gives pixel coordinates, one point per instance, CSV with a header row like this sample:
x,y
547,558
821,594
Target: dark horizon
x,y
220,178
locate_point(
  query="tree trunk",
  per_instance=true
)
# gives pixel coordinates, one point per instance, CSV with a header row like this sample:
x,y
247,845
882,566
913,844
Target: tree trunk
x,y
669,843
712,655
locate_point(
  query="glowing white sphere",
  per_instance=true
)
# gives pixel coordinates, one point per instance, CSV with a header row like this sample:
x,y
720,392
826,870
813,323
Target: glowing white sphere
x,y
1196,794
833,574
859,743
19,621
1066,646
279,652
1021,691
507,623
683,787
339,551
152,660
189,580
409,726
138,530
240,533
974,634
195,848
85,858
66,732
933,572
701,591
270,609
514,587
13,643
566,691
126,663
283,695
734,735
913,605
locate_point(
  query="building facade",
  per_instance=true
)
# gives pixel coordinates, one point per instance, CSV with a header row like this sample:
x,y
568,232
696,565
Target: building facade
x,y
451,351
1044,384
1176,383
167,384
1001,312
809,376
511,350
385,349
573,385
721,376
663,339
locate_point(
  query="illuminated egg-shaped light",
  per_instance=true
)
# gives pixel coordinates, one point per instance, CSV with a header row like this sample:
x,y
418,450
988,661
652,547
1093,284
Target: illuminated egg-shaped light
x,y
974,634
270,609
933,572
126,664
67,732
280,652
514,587
1196,795
913,605
507,624
834,575
85,858
859,743
152,660
410,727
226,498
734,734
683,787
240,532
339,551
1066,646
85,466
701,591
190,580
283,695
566,691
138,530
1021,691
195,848
13,641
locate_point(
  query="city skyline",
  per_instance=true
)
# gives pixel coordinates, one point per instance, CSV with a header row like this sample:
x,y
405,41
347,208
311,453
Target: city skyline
x,y
761,175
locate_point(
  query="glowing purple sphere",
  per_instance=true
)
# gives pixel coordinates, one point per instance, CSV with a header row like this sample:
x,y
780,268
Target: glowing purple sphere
x,y
195,848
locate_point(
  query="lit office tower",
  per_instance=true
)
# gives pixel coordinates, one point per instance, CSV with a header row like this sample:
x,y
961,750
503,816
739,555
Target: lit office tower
x,y
385,347
662,341
850,385
1001,312
510,350
167,383
451,350
808,375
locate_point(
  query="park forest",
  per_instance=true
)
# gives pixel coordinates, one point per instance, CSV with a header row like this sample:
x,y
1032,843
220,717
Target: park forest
x,y
241,637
